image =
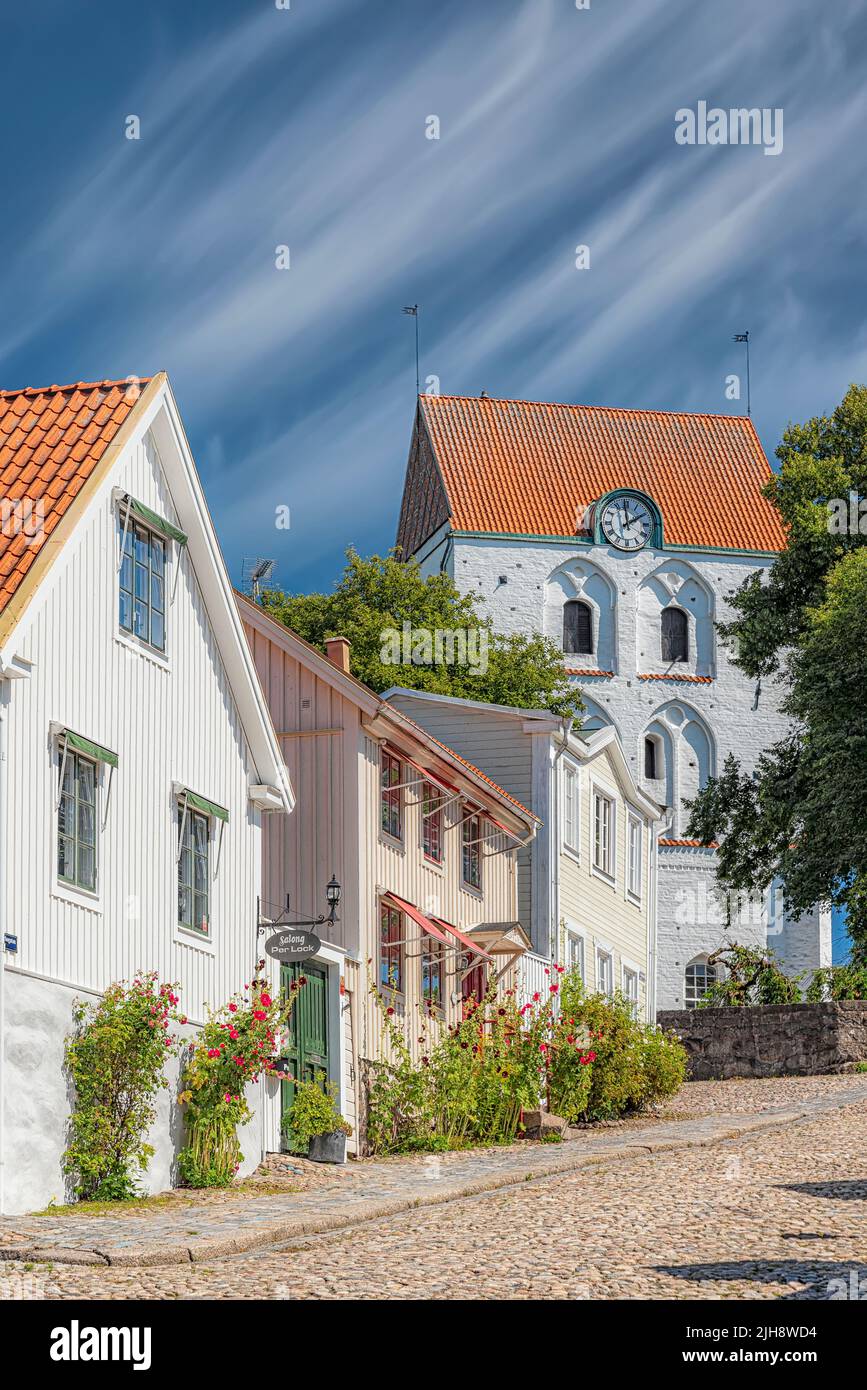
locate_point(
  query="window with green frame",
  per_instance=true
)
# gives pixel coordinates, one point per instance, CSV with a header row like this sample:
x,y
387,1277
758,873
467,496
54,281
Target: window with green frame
x,y
76,821
142,586
194,879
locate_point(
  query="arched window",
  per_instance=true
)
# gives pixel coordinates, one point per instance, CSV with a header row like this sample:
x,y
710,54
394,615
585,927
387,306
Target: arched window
x,y
577,627
699,978
675,635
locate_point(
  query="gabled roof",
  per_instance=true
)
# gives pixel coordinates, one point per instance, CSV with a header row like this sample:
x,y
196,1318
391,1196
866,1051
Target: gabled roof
x,y
62,444
376,707
51,440
527,468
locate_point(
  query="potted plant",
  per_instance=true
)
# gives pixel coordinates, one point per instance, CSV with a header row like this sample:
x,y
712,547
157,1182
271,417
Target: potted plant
x,y
314,1124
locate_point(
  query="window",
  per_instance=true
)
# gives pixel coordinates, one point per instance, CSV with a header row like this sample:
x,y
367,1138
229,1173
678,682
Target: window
x,y
194,878
575,954
630,987
433,970
577,627
675,635
472,852
431,823
570,806
699,979
604,972
392,796
142,592
76,820
390,948
603,834
650,759
636,848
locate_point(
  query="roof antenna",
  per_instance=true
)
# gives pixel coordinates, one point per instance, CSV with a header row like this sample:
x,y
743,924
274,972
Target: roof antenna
x,y
483,395
745,338
255,573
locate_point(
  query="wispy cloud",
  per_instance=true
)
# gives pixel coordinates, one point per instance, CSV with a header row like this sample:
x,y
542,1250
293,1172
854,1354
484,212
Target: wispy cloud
x,y
307,128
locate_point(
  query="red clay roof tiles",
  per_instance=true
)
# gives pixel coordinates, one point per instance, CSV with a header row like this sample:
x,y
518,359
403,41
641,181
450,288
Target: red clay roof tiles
x,y
531,468
51,440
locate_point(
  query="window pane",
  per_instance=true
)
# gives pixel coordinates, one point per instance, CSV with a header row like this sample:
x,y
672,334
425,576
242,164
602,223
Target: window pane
x,y
66,858
200,921
185,905
200,873
141,582
157,600
66,814
85,823
140,619
158,555
86,867
158,631
85,780
200,834
125,611
126,573
142,546
185,867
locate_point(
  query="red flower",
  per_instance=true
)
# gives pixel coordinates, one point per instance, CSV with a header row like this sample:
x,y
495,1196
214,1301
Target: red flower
x,y
389,1010
260,1015
233,1008
266,1000
553,988
536,997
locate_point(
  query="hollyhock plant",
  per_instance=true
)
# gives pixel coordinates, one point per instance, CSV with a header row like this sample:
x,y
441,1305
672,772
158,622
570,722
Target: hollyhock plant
x,y
216,1076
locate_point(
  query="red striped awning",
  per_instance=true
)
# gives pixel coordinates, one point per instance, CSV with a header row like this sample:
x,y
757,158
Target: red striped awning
x,y
464,940
417,916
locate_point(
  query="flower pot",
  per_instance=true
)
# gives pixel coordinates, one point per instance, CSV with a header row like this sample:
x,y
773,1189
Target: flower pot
x,y
328,1148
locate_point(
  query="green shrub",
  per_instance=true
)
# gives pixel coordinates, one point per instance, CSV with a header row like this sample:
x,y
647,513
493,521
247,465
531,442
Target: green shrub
x,y
236,1046
752,977
116,1062
838,982
313,1112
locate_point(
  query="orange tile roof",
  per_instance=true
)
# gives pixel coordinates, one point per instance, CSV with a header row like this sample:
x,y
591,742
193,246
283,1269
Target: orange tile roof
x,y
688,844
577,671
694,680
51,440
531,468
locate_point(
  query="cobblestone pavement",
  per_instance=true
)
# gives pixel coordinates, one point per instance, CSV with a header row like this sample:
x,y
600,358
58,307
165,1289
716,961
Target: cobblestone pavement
x,y
176,1232
776,1213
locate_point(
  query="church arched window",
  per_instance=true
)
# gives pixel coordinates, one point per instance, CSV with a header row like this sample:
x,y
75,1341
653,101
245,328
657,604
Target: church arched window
x,y
675,635
577,627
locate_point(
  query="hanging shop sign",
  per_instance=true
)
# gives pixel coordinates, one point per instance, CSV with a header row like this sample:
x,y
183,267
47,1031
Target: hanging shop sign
x,y
291,943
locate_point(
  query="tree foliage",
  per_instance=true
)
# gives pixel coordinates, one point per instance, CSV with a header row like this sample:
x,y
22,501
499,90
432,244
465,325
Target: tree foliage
x,y
377,596
802,815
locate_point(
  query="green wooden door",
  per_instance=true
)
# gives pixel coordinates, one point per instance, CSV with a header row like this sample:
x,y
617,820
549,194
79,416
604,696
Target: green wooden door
x,y
307,1042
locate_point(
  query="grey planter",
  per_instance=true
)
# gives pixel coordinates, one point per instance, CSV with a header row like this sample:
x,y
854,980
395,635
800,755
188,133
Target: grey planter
x,y
328,1148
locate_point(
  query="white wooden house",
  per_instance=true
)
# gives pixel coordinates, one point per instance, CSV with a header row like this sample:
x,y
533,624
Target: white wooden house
x,y
138,762
423,844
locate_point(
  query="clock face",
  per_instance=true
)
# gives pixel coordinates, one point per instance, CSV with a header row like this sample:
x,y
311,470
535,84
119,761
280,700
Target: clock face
x,y
627,522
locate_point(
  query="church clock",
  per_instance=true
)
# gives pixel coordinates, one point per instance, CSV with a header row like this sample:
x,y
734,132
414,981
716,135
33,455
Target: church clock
x,y
627,522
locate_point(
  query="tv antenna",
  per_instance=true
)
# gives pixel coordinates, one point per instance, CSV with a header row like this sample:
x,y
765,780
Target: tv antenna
x,y
255,573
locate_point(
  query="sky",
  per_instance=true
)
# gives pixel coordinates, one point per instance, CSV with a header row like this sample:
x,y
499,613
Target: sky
x,y
306,124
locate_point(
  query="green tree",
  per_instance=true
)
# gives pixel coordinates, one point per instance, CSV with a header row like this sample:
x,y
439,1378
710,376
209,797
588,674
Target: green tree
x,y
802,814
375,597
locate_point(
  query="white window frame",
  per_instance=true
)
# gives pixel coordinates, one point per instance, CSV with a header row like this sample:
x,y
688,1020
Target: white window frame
x,y
190,936
608,870
692,965
159,656
603,953
634,893
629,968
576,938
569,774
61,887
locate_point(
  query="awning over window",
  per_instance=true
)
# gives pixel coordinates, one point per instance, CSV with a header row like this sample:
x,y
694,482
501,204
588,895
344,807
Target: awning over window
x,y
418,917
85,745
466,941
201,803
429,776
153,519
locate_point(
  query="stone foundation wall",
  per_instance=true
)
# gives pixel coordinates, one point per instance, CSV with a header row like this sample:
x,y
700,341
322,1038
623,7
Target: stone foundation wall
x,y
771,1039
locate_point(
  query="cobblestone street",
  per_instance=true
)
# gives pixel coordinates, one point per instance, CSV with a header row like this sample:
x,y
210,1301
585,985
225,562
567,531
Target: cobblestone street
x,y
779,1213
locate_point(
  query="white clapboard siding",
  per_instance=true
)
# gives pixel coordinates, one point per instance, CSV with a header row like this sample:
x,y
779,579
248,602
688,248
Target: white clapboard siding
x,y
172,722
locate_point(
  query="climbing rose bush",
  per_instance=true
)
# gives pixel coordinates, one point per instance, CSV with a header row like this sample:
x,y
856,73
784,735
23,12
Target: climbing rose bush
x,y
236,1046
116,1059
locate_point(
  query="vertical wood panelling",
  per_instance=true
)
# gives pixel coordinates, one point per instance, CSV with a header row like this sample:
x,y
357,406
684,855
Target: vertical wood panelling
x,y
166,724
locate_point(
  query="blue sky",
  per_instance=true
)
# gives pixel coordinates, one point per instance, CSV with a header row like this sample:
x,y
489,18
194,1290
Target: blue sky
x,y
306,127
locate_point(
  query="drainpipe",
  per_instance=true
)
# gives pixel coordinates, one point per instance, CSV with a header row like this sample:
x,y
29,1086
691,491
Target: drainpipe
x,y
4,860
565,731
660,828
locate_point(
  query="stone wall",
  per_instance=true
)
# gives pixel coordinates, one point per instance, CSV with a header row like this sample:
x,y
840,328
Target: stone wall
x,y
771,1039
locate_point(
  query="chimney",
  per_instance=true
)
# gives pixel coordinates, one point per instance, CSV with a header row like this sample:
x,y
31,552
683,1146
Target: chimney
x,y
337,651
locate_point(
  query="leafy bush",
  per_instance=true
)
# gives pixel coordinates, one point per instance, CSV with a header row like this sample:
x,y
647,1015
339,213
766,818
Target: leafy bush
x,y
116,1060
752,977
585,1057
635,1063
236,1045
313,1112
838,982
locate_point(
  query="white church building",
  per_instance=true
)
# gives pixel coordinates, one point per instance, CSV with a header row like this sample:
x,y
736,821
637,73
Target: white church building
x,y
621,535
